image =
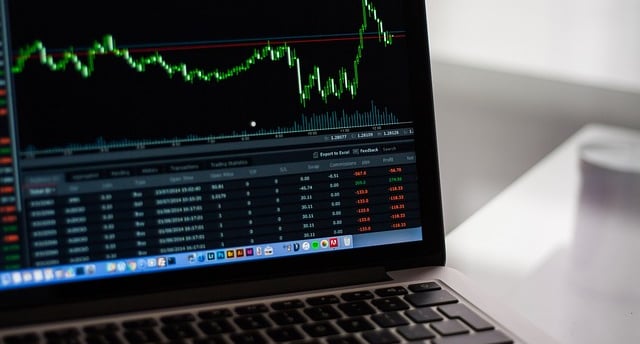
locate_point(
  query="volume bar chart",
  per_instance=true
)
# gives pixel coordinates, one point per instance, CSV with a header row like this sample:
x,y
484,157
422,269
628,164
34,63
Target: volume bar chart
x,y
313,122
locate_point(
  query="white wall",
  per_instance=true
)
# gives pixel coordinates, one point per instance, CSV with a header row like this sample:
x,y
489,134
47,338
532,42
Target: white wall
x,y
596,42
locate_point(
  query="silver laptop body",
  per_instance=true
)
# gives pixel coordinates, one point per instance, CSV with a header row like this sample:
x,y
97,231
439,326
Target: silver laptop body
x,y
226,172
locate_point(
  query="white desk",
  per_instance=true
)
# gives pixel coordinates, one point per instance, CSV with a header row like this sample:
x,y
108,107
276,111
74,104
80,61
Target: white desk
x,y
571,271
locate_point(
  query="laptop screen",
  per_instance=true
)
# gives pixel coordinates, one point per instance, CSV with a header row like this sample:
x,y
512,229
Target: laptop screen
x,y
141,137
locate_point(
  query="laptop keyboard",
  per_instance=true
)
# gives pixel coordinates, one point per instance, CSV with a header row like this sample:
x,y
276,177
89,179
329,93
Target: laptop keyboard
x,y
422,312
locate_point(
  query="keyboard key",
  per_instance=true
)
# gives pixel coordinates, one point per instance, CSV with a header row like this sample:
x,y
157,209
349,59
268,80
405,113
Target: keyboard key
x,y
140,323
70,340
288,317
248,338
211,340
416,332
252,322
178,318
448,328
422,315
25,338
358,295
323,300
215,326
106,338
320,329
96,339
179,331
358,324
142,335
252,309
343,340
63,336
391,319
285,305
322,313
390,304
430,298
427,286
101,328
215,314
486,337
356,308
465,314
380,337
391,291
285,334
63,333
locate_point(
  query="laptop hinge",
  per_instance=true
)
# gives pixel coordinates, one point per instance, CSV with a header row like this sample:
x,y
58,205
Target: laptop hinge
x,y
194,296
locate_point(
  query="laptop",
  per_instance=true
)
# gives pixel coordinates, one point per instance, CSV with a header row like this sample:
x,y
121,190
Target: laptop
x,y
226,172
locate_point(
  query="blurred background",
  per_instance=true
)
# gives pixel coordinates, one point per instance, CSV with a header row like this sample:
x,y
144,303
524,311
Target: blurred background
x,y
514,79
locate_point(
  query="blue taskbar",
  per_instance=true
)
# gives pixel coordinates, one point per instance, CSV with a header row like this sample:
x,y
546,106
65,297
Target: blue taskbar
x,y
26,278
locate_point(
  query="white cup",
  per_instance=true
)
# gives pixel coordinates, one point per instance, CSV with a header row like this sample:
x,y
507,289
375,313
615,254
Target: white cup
x,y
606,247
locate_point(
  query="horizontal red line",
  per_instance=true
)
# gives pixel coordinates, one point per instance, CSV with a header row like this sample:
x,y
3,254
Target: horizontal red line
x,y
241,45
261,43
